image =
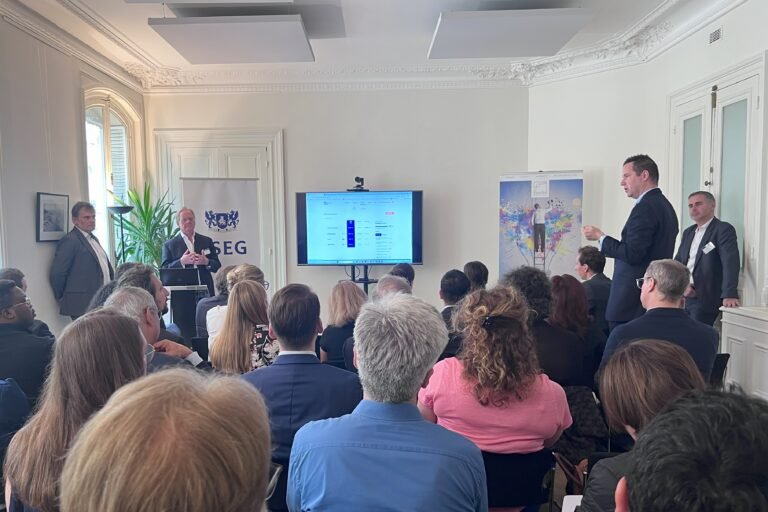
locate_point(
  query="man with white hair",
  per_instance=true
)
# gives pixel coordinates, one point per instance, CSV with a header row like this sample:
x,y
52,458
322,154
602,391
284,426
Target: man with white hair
x,y
391,284
138,304
384,456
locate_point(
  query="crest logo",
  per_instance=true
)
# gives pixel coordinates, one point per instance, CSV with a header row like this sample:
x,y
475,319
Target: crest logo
x,y
222,221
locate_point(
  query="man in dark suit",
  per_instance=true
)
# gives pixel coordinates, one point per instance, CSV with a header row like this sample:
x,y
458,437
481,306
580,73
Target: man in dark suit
x,y
24,356
80,266
661,293
710,251
191,250
589,266
297,388
454,285
648,235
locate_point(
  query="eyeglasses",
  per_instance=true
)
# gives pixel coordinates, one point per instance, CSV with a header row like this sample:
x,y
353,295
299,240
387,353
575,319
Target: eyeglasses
x,y
149,353
640,281
25,302
266,285
274,477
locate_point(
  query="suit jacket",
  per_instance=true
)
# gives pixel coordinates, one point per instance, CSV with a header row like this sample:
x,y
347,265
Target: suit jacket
x,y
715,274
454,338
648,235
175,248
673,325
598,289
75,274
14,409
25,358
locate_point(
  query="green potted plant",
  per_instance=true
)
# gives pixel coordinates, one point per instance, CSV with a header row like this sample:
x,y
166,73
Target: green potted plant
x,y
149,225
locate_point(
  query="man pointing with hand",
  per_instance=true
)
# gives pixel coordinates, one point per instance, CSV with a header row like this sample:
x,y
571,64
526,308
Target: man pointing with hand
x,y
191,250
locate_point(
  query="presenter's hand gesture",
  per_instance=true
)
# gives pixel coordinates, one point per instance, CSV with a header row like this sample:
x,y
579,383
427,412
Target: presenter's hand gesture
x,y
202,259
188,258
592,233
172,349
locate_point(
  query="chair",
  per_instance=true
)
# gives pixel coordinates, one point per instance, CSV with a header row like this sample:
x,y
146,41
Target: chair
x,y
519,479
717,377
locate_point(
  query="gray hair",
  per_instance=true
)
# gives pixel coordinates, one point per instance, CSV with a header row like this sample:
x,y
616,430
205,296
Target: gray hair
x,y
671,277
131,302
390,284
397,341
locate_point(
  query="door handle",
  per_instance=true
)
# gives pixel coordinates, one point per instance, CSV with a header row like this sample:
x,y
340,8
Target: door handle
x,y
708,183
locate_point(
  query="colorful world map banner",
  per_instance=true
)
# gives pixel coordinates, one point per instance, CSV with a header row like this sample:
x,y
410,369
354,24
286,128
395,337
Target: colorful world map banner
x,y
540,220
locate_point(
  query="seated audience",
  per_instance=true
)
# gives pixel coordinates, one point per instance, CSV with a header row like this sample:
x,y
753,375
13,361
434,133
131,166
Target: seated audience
x,y
492,393
14,409
176,441
344,305
244,343
405,271
138,304
569,312
589,266
94,356
707,452
639,381
214,319
454,286
387,285
105,291
661,293
297,388
23,356
560,353
383,456
144,277
208,303
477,273
38,327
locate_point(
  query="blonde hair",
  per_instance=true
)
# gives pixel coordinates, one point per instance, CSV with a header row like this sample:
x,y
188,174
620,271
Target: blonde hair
x,y
95,355
246,308
345,302
176,440
244,272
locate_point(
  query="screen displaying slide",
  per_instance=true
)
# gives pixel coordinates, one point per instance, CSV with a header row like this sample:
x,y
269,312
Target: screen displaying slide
x,y
357,227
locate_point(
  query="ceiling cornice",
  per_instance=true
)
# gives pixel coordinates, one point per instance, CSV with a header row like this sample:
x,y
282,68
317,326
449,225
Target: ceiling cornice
x,y
661,29
44,30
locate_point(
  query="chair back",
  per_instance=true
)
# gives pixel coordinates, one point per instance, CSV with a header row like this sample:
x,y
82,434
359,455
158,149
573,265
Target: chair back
x,y
717,377
518,479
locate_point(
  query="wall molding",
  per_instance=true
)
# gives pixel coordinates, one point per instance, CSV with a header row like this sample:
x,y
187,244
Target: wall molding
x,y
669,23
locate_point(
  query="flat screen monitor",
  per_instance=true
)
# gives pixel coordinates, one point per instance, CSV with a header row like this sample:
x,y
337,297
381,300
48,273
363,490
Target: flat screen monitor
x,y
359,228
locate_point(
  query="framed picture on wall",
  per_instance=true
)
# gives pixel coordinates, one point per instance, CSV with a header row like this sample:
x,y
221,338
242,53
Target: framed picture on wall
x,y
52,217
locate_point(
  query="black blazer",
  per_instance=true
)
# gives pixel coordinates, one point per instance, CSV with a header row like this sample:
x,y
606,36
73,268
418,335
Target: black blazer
x,y
175,248
716,273
25,357
598,289
648,235
75,274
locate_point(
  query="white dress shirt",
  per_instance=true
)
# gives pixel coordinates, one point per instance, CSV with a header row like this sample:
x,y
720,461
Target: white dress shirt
x,y
697,236
101,255
189,243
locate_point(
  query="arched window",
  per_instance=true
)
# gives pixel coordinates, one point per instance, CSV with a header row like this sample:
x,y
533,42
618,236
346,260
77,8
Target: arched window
x,y
112,136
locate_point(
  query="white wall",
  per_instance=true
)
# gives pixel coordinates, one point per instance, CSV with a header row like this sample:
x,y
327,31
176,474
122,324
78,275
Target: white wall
x,y
453,144
595,122
41,149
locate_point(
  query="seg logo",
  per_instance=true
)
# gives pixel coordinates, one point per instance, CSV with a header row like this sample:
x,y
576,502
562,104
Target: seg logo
x,y
230,247
222,221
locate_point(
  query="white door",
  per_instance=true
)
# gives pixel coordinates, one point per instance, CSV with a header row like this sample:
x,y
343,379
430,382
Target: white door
x,y
253,154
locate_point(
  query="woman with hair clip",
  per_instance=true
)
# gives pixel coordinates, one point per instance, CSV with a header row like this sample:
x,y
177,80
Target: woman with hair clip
x,y
344,305
637,383
243,343
214,318
94,356
493,392
570,312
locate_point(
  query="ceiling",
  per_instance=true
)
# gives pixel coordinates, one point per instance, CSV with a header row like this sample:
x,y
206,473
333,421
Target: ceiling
x,y
368,41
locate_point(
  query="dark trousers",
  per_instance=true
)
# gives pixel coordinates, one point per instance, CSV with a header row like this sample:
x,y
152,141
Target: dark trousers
x,y
694,308
539,234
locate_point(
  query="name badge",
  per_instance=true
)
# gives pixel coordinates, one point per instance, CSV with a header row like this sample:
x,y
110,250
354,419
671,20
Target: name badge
x,y
708,248
206,252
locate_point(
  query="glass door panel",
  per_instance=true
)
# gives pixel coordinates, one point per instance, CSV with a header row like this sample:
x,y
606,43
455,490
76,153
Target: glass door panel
x,y
733,165
691,165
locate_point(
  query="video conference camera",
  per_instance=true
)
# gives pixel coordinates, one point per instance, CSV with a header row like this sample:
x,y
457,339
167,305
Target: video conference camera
x,y
359,185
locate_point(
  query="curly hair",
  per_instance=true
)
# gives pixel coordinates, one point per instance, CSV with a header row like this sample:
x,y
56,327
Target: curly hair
x,y
498,353
535,287
569,307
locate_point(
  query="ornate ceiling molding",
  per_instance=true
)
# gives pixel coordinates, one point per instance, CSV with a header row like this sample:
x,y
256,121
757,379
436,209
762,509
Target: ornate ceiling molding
x,y
665,26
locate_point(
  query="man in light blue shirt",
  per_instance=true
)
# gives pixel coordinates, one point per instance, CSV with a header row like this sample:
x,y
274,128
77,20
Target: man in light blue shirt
x,y
384,456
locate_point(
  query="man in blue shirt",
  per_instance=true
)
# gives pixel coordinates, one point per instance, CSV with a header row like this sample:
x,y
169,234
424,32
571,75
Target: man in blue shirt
x,y
384,456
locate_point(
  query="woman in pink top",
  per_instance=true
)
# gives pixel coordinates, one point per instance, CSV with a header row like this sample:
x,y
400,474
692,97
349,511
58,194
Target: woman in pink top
x,y
493,392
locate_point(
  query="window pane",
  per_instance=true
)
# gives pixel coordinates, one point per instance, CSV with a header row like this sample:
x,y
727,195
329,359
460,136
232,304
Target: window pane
x,y
733,165
97,172
119,158
691,163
